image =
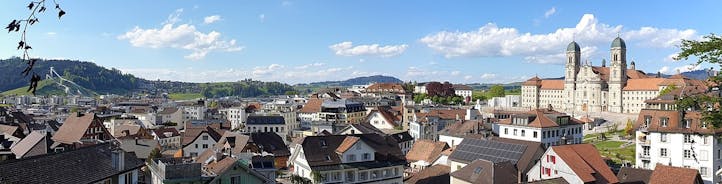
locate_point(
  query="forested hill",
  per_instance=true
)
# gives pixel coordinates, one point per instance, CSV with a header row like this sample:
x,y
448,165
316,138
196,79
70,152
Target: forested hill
x,y
359,81
86,74
101,80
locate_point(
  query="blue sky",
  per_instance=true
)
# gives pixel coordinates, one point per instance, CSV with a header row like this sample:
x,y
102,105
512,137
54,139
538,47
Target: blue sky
x,y
306,41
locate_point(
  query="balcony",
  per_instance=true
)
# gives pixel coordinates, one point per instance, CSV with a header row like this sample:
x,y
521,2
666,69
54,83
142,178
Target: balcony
x,y
644,156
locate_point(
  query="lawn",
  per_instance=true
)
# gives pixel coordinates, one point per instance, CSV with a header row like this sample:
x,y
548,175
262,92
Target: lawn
x,y
611,149
184,96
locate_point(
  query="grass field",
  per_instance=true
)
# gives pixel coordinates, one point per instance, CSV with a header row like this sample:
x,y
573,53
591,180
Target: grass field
x,y
184,96
612,149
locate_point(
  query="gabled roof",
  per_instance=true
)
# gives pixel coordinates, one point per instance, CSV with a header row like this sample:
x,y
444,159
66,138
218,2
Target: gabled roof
x,y
586,163
385,87
676,175
390,118
84,165
236,141
521,153
141,147
73,128
347,143
426,150
487,172
168,110
192,133
542,118
160,132
270,142
316,148
644,84
35,138
363,128
552,84
313,105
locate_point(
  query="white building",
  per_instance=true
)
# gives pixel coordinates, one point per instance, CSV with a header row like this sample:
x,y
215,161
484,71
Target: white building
x,y
197,139
267,123
366,158
463,91
236,115
588,88
669,137
194,112
547,127
505,102
578,163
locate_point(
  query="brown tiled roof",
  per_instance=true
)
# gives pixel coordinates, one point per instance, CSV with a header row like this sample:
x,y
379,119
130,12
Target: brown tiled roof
x,y
313,105
388,116
442,113
674,122
237,142
436,174
73,128
161,132
541,118
132,130
552,84
221,166
585,161
386,87
386,148
192,133
8,129
347,143
534,81
487,172
647,84
634,175
676,175
168,110
461,128
35,138
426,150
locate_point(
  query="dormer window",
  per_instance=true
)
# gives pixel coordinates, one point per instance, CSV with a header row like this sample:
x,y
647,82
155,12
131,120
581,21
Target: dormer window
x,y
323,143
647,120
687,123
328,157
704,124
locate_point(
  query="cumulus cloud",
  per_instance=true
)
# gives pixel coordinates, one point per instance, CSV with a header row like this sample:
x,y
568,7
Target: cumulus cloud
x,y
211,19
671,57
550,12
310,65
266,70
491,40
184,36
174,17
348,49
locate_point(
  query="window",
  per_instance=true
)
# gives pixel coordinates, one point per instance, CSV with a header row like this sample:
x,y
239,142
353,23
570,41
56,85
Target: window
x,y
236,180
663,121
205,137
349,176
196,145
515,131
703,155
328,157
687,153
337,176
535,134
362,175
205,146
688,138
129,178
687,123
662,137
522,133
351,157
645,150
367,156
323,143
554,159
663,152
506,131
703,171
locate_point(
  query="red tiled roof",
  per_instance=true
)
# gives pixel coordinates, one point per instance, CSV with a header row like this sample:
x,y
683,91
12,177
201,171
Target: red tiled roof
x,y
426,150
313,105
585,161
347,143
552,84
676,175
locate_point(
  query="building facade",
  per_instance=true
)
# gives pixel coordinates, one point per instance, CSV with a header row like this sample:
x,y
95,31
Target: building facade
x,y
585,88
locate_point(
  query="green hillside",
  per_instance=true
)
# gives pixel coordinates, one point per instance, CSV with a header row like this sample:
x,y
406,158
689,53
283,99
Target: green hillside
x,y
49,87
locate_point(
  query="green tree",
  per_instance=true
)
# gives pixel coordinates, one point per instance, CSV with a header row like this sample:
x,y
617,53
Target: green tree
x,y
478,95
707,50
155,153
496,91
291,93
628,129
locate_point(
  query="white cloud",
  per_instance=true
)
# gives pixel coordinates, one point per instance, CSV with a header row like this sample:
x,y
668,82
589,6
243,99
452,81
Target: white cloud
x,y
488,76
550,12
184,36
211,19
266,70
670,57
174,17
310,65
455,73
681,69
348,49
468,77
51,33
493,41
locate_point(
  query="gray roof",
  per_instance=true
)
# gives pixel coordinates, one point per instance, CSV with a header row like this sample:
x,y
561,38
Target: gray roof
x,y
85,165
618,42
265,120
483,171
634,175
141,147
521,153
341,103
574,47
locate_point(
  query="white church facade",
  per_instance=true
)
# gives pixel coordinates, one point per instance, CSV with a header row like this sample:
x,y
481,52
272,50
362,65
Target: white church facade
x,y
585,88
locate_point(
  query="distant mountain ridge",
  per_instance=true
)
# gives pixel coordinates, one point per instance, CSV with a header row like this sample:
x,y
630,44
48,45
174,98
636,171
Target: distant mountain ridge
x,y
358,81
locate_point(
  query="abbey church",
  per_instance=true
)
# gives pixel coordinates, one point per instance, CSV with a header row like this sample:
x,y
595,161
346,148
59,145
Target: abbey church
x,y
616,88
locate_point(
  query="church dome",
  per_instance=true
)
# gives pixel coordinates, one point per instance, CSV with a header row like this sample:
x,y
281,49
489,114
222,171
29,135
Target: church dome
x,y
618,42
573,47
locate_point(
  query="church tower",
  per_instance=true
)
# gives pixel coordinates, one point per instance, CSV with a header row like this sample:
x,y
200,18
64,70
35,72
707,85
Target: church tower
x,y
618,74
570,75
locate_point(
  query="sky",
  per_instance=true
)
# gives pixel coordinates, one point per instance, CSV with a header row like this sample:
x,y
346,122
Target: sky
x,y
306,41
